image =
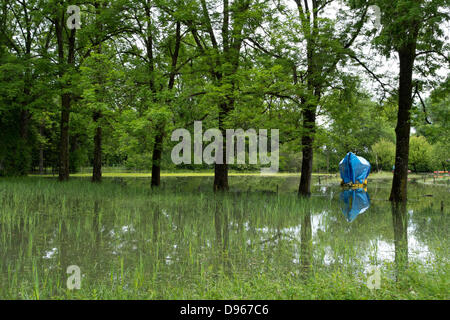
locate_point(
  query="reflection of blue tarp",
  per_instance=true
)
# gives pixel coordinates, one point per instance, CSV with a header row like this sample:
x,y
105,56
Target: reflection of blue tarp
x,y
354,202
354,169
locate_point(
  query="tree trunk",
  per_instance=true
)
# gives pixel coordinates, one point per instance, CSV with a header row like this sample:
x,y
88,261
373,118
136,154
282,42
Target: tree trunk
x,y
402,131
22,157
24,124
41,149
158,145
63,165
156,158
309,125
64,139
309,112
221,177
221,170
65,97
97,170
41,160
97,115
376,161
328,161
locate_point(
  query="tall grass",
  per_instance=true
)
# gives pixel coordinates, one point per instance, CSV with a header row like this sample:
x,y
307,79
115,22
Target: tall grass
x,y
184,242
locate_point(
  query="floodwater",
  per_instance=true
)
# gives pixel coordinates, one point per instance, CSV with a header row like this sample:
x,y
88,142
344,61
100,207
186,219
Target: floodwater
x,y
124,235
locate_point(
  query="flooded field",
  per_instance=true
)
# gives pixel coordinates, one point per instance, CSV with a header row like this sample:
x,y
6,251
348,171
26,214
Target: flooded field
x,y
260,241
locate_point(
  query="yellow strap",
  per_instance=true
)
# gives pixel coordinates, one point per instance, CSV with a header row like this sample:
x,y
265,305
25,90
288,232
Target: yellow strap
x,y
356,185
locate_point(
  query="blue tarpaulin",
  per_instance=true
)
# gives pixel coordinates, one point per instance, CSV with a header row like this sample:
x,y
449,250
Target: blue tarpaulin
x,y
354,169
354,202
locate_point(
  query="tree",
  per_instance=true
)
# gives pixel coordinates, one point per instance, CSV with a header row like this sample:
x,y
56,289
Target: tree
x,y
72,48
353,121
384,151
434,123
238,21
25,80
441,156
103,27
161,35
310,49
65,39
325,49
408,26
420,153
100,81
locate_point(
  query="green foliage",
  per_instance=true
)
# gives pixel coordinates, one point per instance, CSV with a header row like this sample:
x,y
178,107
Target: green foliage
x,y
436,126
123,63
137,70
441,157
384,154
420,154
354,123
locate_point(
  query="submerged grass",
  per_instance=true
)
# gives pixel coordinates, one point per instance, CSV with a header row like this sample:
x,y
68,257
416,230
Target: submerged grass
x,y
184,242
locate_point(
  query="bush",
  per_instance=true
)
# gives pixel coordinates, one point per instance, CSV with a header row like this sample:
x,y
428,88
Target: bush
x,y
420,154
384,154
440,156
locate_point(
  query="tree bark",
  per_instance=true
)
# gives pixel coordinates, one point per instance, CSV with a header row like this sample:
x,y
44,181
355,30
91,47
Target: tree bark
x,y
328,160
403,128
159,138
64,138
221,170
221,177
41,160
309,125
97,169
41,149
156,158
22,157
66,98
314,71
97,115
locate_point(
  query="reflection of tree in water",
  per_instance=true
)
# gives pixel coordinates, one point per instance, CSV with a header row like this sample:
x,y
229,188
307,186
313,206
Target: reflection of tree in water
x,y
400,223
64,251
97,227
159,253
13,249
428,223
156,218
81,249
222,235
306,245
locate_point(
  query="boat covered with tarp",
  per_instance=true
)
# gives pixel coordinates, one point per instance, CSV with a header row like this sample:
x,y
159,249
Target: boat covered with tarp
x,y
354,170
354,202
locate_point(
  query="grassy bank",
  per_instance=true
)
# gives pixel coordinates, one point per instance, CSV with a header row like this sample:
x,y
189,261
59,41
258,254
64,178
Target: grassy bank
x,y
210,173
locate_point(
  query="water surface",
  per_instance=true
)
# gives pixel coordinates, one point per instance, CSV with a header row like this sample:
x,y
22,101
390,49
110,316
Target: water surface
x,y
125,237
